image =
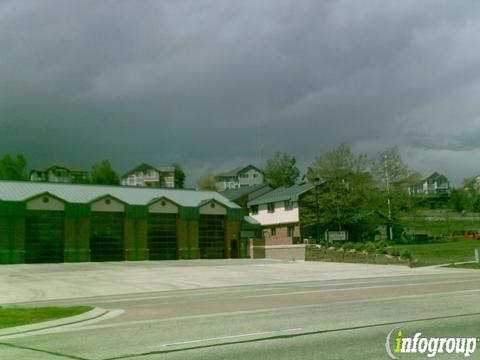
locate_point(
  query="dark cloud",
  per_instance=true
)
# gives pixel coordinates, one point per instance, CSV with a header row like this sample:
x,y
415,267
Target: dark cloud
x,y
199,82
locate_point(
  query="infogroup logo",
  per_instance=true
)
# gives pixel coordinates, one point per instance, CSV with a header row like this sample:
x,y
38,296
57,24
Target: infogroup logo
x,y
396,344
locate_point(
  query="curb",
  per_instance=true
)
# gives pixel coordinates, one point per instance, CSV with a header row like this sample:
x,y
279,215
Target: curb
x,y
89,315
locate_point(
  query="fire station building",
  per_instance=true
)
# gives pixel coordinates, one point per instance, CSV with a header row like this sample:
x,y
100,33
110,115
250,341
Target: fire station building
x,y
50,222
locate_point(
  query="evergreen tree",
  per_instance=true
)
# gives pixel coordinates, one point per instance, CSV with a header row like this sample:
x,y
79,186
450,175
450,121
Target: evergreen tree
x,y
179,176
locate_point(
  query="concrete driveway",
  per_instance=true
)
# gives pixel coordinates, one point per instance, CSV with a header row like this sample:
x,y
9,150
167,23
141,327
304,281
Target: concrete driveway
x,y
30,283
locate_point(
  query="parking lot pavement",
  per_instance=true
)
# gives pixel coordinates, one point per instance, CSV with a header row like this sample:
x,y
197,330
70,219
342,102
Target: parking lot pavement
x,y
29,283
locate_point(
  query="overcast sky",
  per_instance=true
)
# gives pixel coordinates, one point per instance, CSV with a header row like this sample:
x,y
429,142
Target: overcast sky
x,y
204,82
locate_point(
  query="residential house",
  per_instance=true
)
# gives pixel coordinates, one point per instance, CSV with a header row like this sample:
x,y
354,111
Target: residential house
x,y
429,184
239,177
145,175
472,184
59,173
278,211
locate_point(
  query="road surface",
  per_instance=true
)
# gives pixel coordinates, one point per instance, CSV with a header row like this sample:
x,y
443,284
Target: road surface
x,y
347,317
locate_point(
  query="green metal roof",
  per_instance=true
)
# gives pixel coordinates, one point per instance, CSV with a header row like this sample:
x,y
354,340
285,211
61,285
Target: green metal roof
x,y
282,193
250,223
72,193
234,194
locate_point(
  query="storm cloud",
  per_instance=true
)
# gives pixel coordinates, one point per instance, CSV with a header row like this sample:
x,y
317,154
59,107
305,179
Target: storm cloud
x,y
217,84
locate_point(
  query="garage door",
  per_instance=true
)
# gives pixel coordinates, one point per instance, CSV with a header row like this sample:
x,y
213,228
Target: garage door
x,y
44,241
211,236
162,236
106,238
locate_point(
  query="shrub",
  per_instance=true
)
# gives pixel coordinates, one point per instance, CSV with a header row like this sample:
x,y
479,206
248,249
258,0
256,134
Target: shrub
x,y
406,254
382,244
359,246
394,252
348,246
371,248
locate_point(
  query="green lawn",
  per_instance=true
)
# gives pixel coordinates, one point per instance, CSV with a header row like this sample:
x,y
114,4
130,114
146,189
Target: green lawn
x,y
466,266
441,252
439,228
22,316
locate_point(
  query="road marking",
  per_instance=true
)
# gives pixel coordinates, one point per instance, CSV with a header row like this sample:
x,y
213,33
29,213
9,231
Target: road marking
x,y
228,337
359,288
281,336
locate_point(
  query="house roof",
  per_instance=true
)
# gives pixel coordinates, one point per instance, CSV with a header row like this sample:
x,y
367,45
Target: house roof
x,y
282,193
428,176
432,175
20,191
143,166
235,194
63,166
238,170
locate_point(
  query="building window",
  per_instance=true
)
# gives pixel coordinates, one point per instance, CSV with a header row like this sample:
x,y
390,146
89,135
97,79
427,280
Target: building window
x,y
290,230
254,209
244,176
273,231
288,205
255,175
271,207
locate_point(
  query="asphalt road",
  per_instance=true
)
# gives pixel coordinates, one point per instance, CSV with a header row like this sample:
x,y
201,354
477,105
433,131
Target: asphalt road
x,y
326,319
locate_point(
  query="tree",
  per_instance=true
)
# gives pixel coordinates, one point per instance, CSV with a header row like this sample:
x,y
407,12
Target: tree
x,y
391,174
281,170
13,168
469,196
389,167
458,200
206,181
103,174
179,176
347,197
